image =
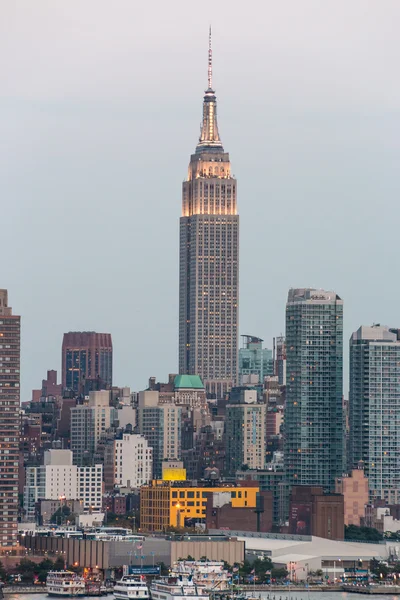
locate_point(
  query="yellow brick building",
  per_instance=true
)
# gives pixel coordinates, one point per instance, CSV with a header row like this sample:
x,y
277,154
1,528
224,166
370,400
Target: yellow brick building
x,y
168,503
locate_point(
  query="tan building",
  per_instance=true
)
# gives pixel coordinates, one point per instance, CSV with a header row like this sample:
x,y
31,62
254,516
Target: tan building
x,y
89,422
354,488
209,260
10,335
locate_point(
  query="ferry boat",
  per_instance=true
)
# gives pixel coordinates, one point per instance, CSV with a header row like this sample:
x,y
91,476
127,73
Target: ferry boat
x,y
65,583
177,587
131,586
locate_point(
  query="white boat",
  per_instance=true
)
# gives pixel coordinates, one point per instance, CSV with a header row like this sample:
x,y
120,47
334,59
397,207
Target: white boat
x,y
209,574
131,586
177,587
65,583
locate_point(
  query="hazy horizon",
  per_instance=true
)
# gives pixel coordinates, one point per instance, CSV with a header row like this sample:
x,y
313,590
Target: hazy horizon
x,y
100,111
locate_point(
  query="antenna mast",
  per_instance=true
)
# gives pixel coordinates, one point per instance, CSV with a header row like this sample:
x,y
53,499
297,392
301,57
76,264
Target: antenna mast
x,y
209,61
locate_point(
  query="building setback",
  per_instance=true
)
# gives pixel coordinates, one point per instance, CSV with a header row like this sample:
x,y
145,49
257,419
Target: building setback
x,y
374,409
209,260
86,355
314,420
10,336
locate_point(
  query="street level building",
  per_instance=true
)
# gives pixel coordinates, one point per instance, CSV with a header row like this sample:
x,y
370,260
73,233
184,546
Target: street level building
x,y
314,419
313,512
10,337
167,503
209,259
354,489
374,409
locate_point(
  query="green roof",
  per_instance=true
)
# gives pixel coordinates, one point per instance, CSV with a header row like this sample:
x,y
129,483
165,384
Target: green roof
x,y
188,381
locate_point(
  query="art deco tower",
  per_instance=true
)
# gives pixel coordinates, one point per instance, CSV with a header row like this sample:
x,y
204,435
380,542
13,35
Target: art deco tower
x,y
209,259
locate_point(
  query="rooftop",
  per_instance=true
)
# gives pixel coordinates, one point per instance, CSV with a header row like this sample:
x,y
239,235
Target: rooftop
x,y
188,382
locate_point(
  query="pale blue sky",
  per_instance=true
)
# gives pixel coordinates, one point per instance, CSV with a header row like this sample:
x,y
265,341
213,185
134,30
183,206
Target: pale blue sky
x,y
100,107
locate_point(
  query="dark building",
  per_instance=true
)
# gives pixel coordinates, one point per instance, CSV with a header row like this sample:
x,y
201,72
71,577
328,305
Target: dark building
x,y
274,482
208,452
209,260
313,512
114,503
222,515
10,424
64,421
86,355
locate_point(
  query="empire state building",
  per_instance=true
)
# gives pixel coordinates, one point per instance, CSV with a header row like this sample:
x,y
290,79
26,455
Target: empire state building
x,y
209,259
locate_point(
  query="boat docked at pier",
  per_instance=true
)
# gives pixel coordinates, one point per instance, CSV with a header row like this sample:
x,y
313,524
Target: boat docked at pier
x,y
208,574
131,586
177,587
65,583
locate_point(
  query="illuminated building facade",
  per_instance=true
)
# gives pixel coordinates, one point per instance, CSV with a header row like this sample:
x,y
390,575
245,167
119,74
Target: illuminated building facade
x,y
167,504
10,336
209,260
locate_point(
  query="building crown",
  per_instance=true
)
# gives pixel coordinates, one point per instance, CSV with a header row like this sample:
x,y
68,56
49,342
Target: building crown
x,y
209,139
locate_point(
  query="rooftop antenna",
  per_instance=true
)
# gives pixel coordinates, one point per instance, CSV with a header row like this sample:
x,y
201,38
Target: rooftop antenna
x,y
209,61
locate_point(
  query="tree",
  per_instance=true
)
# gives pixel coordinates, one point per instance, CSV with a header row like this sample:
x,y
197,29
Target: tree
x,y
279,573
3,572
378,568
27,569
59,564
163,568
363,534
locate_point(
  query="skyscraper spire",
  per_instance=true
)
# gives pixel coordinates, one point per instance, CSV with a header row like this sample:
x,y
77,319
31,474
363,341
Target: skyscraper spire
x,y
209,61
209,135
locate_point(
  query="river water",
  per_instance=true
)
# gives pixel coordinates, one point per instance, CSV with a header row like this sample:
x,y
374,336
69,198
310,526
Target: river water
x,y
294,595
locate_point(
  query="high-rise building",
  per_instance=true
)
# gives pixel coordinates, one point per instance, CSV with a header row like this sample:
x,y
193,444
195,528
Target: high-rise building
x,y
374,409
133,461
88,423
255,362
86,356
58,479
160,424
209,259
245,431
10,335
314,423
280,359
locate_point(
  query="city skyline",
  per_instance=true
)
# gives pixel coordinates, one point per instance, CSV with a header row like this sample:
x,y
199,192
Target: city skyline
x,y
313,135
